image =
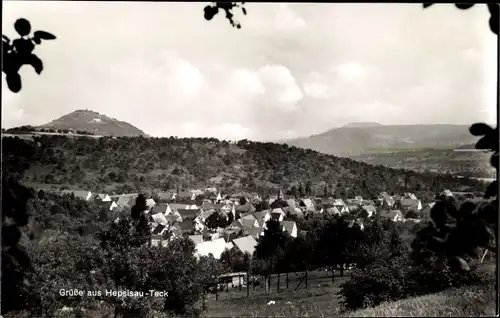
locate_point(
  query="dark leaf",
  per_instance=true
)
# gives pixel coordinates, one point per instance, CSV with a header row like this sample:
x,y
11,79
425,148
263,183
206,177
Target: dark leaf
x,y
37,40
480,129
244,11
13,82
22,26
483,143
5,38
427,4
494,161
491,190
494,25
44,35
464,6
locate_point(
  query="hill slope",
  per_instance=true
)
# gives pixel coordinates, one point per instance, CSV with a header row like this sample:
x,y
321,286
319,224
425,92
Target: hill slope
x,y
128,164
355,140
470,164
471,301
90,121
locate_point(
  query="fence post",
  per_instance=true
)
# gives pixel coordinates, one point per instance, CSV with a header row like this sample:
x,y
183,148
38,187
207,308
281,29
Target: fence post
x,y
217,290
333,274
269,280
240,280
248,282
278,284
286,280
306,277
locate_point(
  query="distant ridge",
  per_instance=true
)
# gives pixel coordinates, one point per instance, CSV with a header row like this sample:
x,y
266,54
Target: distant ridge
x,y
359,138
91,121
362,125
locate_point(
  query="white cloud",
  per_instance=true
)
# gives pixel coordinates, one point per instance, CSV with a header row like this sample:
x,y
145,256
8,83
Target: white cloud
x,y
282,85
230,131
350,71
246,82
316,90
262,77
287,19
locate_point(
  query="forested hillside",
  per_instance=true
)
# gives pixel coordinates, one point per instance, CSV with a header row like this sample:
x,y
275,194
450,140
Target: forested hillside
x,y
463,163
131,164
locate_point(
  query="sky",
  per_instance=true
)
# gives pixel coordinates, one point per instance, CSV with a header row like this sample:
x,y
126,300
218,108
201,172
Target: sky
x,y
292,70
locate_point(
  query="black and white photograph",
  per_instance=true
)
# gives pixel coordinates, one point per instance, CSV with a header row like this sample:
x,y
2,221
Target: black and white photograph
x,y
249,159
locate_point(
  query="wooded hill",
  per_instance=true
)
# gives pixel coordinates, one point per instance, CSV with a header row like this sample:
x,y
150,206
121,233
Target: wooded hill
x,y
133,164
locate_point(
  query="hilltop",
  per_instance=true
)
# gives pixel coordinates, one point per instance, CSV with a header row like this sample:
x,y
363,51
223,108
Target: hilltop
x,y
93,122
359,138
129,164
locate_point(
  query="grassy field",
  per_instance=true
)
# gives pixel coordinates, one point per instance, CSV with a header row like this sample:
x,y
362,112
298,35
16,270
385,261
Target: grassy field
x,y
318,300
472,301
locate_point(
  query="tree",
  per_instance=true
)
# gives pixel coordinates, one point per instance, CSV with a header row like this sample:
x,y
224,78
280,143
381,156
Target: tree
x,y
302,191
15,260
270,252
234,260
216,220
308,189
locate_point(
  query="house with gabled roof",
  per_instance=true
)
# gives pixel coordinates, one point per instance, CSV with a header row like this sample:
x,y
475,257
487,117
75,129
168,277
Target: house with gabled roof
x,y
215,197
290,227
278,214
369,209
150,203
197,239
162,238
177,206
248,222
264,215
296,211
126,201
81,194
167,196
173,217
291,203
236,225
160,219
159,229
306,204
103,197
244,208
353,202
185,226
255,232
185,196
246,244
410,204
197,192
394,215
332,211
162,208
410,195
229,246
108,205
215,247
447,193
188,213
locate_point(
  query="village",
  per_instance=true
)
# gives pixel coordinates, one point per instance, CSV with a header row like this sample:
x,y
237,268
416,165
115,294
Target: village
x,y
173,214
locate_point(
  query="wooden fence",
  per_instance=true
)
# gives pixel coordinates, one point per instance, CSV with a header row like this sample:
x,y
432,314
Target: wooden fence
x,y
257,283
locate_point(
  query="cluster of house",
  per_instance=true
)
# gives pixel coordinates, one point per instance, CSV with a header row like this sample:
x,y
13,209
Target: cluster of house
x,y
170,219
